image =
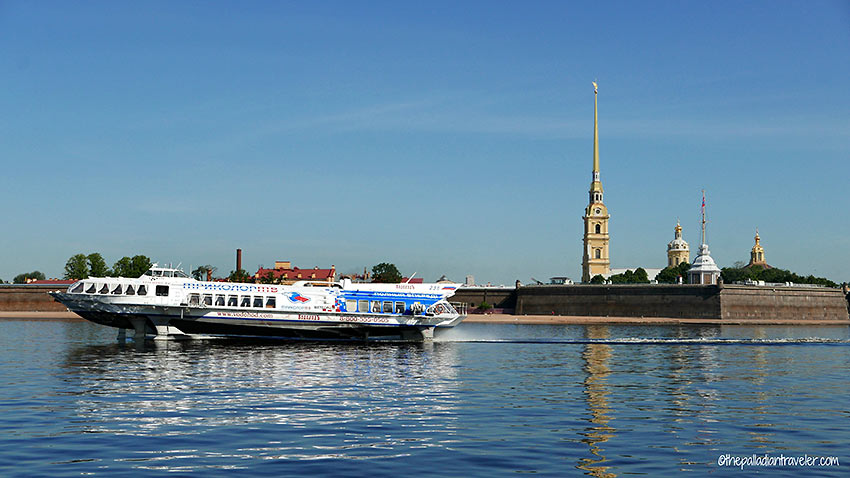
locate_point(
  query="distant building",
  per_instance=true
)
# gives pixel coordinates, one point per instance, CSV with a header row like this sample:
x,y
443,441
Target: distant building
x,y
757,254
470,280
678,250
595,259
561,280
284,273
364,277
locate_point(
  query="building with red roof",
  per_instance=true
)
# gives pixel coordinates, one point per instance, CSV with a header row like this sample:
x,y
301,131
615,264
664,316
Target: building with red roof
x,y
285,273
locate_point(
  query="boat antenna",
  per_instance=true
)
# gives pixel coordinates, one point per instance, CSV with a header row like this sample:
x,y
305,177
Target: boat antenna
x,y
409,278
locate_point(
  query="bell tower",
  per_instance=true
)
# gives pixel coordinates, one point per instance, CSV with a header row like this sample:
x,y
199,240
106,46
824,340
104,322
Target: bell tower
x,y
595,257
757,254
678,250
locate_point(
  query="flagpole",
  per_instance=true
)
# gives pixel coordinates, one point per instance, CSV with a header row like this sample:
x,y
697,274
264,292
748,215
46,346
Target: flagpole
x,y
703,216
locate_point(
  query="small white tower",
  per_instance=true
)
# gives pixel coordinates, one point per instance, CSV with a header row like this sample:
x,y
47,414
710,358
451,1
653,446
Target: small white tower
x,y
704,270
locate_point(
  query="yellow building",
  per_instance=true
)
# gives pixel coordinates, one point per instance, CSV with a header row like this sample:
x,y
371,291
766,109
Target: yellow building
x,y
678,250
595,258
757,254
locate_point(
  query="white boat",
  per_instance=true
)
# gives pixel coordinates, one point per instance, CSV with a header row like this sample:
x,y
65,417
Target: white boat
x,y
165,303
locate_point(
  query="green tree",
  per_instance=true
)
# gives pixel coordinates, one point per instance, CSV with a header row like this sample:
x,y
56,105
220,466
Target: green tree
x,y
201,272
774,274
731,275
122,267
641,277
239,276
597,279
141,264
97,266
638,276
386,273
77,267
22,278
671,274
131,267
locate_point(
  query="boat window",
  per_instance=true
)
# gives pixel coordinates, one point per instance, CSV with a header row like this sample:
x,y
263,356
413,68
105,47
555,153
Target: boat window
x,y
219,300
162,290
77,288
258,301
351,305
376,306
129,290
194,299
364,306
104,289
143,290
399,307
91,289
246,301
208,299
148,272
157,273
231,301
117,289
180,274
388,307
270,303
167,274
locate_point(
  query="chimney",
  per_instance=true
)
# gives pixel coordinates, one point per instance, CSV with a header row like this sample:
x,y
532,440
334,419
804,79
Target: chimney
x,y
238,260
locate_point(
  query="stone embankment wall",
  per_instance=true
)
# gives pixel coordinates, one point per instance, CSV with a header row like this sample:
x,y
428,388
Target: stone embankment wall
x,y
496,297
763,303
728,303
683,301
29,298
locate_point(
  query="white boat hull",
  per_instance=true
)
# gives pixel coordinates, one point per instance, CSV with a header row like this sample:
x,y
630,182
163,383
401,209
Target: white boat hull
x,y
175,322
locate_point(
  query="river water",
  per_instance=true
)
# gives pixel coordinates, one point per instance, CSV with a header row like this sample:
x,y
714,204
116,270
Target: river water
x,y
482,400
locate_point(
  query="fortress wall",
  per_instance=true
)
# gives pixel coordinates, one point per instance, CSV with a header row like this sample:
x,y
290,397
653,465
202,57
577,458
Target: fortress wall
x,y
732,303
785,303
29,298
496,297
683,301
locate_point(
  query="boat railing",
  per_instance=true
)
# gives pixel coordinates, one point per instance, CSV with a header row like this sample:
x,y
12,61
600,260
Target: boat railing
x,y
460,307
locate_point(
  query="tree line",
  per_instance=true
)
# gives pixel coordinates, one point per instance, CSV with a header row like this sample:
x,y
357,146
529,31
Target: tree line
x,y
81,266
738,273
741,273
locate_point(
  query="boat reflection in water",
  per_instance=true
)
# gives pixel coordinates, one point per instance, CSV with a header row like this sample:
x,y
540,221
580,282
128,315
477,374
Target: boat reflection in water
x,y
293,397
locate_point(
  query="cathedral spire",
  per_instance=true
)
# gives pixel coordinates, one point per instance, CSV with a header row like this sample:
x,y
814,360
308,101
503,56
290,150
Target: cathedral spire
x,y
595,134
595,259
596,190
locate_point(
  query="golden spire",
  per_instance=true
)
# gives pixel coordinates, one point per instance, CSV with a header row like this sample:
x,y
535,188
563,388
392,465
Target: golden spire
x,y
596,184
595,134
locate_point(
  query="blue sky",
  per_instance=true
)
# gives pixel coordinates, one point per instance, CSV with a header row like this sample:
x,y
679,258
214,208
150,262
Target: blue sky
x,y
446,137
